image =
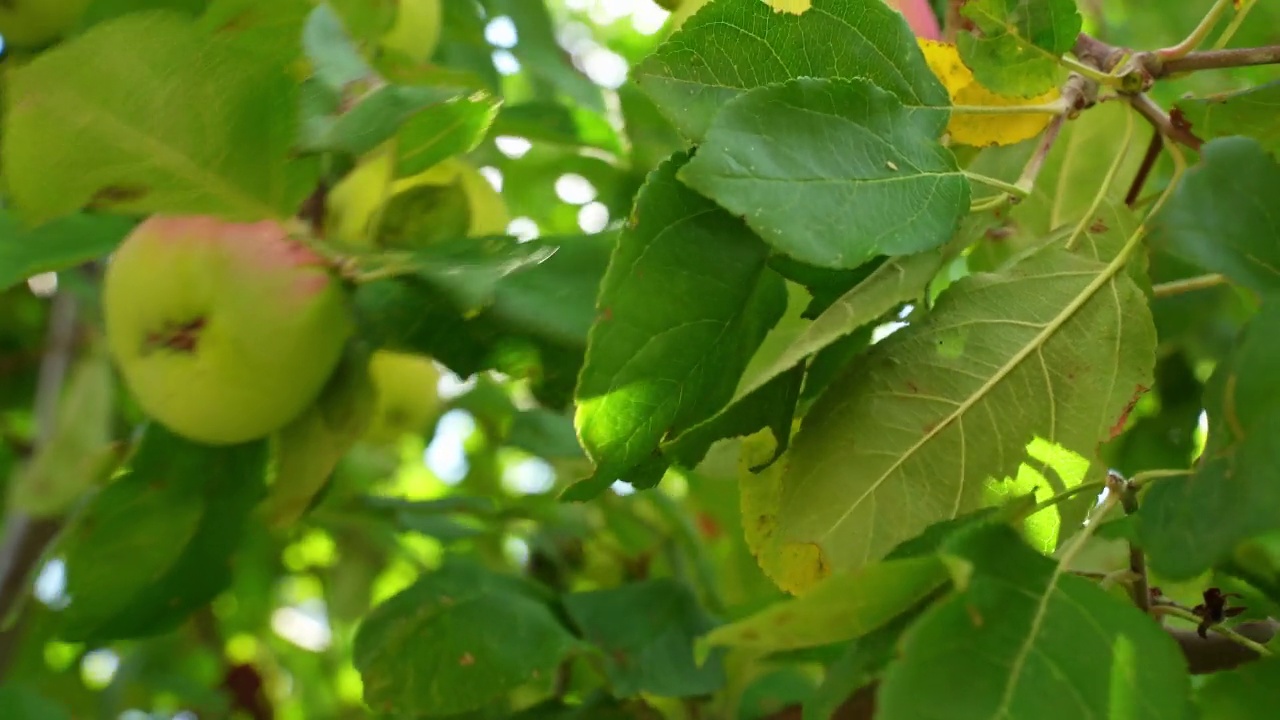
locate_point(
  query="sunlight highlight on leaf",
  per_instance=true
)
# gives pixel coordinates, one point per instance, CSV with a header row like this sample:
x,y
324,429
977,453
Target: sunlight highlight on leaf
x,y
795,7
978,129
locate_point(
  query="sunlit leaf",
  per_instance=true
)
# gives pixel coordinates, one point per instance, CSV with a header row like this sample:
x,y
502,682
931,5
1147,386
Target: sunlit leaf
x,y
932,420
687,299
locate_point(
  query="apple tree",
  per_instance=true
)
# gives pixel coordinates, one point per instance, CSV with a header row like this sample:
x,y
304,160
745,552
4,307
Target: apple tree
x,y
595,359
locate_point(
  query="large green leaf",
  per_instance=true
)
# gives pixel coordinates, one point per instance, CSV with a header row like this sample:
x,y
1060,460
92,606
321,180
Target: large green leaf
x,y
147,113
734,45
157,543
455,640
1042,357
443,131
1221,216
1023,638
651,651
56,245
686,301
1189,523
1015,44
1253,111
821,169
842,607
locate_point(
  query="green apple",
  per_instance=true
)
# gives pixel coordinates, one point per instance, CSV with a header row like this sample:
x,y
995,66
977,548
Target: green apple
x,y
32,23
407,399
224,332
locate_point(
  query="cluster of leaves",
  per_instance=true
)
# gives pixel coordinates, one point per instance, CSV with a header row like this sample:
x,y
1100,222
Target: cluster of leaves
x,y
875,319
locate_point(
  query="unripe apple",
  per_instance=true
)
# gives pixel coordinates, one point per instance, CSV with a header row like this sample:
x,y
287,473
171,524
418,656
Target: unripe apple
x,y
407,399
32,23
223,331
416,31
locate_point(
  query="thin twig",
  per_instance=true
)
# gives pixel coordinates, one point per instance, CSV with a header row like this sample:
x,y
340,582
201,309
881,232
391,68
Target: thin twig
x,y
1138,587
1185,614
1198,35
1144,170
1154,114
1177,287
1027,181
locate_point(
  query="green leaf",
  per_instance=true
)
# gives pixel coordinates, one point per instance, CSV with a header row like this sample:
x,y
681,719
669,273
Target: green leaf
x,y
646,631
900,280
56,245
819,168
455,640
1008,370
556,299
729,47
545,434
441,131
842,607
1245,693
157,543
1022,638
856,667
685,303
1187,524
21,703
310,447
1253,111
334,57
423,215
1221,217
469,270
332,125
1015,44
147,113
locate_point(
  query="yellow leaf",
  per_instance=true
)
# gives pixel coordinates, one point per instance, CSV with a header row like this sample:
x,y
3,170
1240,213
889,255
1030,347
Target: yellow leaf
x,y
979,129
795,7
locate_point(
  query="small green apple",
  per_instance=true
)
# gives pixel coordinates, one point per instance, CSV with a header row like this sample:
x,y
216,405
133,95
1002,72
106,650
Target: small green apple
x,y
32,23
407,399
416,31
224,332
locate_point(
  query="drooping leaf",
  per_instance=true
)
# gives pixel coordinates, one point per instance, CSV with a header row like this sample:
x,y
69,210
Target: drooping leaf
x,y
687,299
1023,638
157,543
842,607
1187,524
1015,44
931,423
818,169
1253,111
56,245
652,651
441,131
977,128
730,47
897,281
310,447
332,125
1221,218
147,113
455,640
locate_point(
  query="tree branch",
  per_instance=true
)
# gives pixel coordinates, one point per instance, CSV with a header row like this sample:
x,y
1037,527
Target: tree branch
x,y
1218,59
26,538
1160,119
